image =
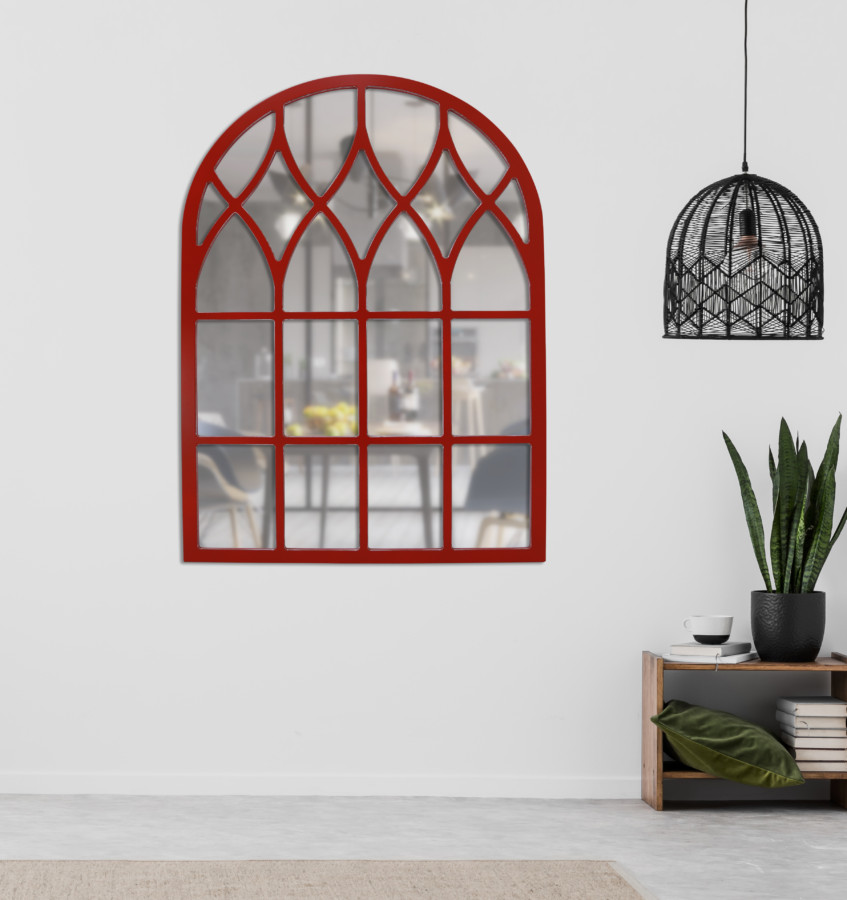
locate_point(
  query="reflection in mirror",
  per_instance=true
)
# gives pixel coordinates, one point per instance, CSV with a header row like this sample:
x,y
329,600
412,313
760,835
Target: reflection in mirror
x,y
484,163
403,274
211,207
321,496
404,495
402,128
241,161
319,130
489,274
404,377
491,495
319,377
361,204
235,275
235,376
445,203
490,376
277,205
320,275
511,202
234,483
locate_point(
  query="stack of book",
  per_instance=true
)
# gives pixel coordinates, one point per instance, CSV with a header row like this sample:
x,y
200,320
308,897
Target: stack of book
x,y
815,731
694,652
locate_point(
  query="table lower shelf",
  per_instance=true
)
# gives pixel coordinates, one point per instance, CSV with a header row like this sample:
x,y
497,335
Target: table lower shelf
x,y
656,770
672,771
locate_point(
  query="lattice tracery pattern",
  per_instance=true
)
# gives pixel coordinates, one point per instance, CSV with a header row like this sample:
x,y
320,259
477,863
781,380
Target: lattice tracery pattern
x,y
344,215
719,285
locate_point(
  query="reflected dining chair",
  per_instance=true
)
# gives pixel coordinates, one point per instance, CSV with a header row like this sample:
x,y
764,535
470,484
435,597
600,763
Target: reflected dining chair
x,y
228,477
499,486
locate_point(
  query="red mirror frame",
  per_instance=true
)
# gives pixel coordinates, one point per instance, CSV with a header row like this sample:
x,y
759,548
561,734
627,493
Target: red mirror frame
x,y
530,252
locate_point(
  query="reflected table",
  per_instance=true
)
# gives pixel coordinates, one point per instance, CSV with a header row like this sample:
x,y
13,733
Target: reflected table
x,y
420,453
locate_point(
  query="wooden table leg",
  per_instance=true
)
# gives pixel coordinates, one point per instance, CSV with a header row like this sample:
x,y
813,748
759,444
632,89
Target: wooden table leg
x,y
426,496
324,493
838,786
270,496
652,693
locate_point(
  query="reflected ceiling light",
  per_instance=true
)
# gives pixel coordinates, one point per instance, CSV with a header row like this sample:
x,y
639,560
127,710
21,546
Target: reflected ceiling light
x,y
408,230
286,224
435,209
744,260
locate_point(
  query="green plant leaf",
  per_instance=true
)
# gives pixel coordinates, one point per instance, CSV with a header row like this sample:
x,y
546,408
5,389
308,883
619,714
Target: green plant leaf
x,y
751,511
833,539
808,522
776,544
830,457
776,538
774,476
837,533
811,516
789,483
819,547
796,583
829,461
793,572
822,507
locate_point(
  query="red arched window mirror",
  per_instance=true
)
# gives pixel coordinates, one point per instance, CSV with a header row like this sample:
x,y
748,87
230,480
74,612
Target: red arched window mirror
x,y
363,375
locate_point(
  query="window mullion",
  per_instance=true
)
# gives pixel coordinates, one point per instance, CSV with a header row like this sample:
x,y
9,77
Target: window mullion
x,y
279,423
362,397
447,413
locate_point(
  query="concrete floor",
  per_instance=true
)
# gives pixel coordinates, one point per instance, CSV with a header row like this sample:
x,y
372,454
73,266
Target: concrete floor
x,y
781,851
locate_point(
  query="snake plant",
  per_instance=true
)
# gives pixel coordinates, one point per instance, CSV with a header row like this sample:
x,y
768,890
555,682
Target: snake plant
x,y
803,509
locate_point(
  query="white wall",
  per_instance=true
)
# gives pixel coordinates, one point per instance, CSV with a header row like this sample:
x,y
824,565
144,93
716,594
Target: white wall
x,y
123,669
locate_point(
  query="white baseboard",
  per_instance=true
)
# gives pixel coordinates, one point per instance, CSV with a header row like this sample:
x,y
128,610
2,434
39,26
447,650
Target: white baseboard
x,y
270,784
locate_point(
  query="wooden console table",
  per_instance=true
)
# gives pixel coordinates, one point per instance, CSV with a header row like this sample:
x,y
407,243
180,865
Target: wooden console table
x,y
655,771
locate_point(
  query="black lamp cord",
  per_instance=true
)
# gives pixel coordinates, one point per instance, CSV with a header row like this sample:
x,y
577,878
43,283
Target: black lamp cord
x,y
744,166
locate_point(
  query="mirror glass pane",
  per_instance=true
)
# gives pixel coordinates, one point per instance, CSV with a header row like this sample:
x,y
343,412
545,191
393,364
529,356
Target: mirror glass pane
x,y
404,495
511,202
445,203
321,496
402,128
489,274
491,495
211,207
485,164
235,275
361,204
242,160
319,377
319,277
490,376
404,377
235,493
277,206
319,130
403,274
235,376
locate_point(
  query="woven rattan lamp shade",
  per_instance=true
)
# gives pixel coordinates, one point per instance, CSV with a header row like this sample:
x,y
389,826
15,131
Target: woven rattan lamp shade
x,y
744,261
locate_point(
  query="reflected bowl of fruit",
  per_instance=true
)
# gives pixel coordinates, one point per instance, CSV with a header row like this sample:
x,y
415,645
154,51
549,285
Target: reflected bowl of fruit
x,y
326,421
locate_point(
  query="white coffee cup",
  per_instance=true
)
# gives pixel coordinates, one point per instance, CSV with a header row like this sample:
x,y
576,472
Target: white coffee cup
x,y
709,629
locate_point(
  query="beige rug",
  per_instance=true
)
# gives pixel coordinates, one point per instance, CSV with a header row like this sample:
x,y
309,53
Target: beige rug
x,y
316,880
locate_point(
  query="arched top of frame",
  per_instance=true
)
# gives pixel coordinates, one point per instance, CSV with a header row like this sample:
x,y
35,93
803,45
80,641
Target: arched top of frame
x,y
362,151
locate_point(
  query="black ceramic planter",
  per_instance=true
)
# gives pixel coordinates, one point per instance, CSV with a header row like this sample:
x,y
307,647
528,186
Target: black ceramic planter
x,y
788,627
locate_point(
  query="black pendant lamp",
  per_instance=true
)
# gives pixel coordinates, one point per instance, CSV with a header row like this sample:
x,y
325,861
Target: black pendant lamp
x,y
744,260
